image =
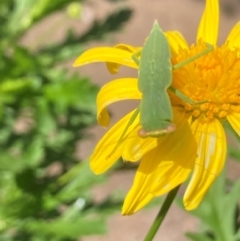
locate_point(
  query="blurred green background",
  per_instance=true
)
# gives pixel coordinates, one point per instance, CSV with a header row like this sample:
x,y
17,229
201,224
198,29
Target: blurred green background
x,y
47,108
44,112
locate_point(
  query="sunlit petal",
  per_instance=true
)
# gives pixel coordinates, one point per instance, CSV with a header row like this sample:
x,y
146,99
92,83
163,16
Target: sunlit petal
x,y
176,41
103,156
127,47
106,54
234,120
233,38
135,147
113,67
210,160
209,24
164,167
116,90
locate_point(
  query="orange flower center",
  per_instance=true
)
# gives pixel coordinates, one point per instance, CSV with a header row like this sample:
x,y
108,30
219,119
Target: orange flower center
x,y
213,80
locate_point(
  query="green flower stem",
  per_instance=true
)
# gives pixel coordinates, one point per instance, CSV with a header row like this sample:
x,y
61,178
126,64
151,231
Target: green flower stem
x,y
161,214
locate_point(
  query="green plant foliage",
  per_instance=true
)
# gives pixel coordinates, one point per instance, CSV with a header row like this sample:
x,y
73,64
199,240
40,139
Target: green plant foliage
x,y
44,112
219,213
235,153
234,148
97,31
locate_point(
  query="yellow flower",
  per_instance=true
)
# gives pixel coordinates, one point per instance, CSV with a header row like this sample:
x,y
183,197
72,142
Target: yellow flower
x,y
198,146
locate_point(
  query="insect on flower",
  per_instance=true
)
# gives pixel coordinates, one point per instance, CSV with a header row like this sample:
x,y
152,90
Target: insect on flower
x,y
154,78
198,146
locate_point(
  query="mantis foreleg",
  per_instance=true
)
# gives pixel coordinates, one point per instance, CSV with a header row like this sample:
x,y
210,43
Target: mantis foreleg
x,y
181,64
136,55
197,56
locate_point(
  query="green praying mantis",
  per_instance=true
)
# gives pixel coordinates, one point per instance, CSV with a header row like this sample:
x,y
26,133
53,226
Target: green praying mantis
x,y
154,78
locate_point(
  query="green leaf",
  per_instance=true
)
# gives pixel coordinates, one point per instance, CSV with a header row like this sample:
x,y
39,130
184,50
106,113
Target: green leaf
x,y
44,114
218,217
61,229
79,178
27,12
235,153
77,92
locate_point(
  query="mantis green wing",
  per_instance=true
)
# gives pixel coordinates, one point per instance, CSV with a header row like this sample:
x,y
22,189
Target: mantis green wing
x,y
154,78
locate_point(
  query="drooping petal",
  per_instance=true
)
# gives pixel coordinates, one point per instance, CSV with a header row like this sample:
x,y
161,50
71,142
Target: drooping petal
x,y
113,67
116,90
106,54
105,153
210,160
176,41
164,167
234,120
135,147
233,38
209,24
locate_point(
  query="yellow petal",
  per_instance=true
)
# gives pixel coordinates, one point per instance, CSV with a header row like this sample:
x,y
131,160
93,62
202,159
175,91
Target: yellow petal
x,y
116,90
234,120
113,67
176,41
209,24
135,147
127,47
164,167
233,38
210,160
106,54
103,156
